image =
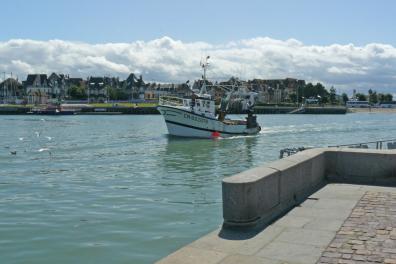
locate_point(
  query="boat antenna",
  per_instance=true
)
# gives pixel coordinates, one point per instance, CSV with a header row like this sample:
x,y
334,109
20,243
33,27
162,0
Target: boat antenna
x,y
204,64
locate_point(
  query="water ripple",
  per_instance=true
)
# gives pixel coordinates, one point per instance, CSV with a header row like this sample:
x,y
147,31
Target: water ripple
x,y
117,187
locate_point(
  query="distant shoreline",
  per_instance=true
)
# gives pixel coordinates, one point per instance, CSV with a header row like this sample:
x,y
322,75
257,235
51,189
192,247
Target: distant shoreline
x,y
371,110
152,110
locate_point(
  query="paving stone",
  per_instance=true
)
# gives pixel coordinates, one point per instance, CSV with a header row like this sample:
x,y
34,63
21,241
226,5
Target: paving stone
x,y
327,260
346,256
290,252
346,261
389,250
328,225
357,247
190,255
296,221
237,245
346,251
374,258
362,252
306,236
359,257
368,235
242,259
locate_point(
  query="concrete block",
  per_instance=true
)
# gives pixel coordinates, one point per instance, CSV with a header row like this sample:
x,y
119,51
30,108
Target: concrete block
x,y
260,240
330,156
237,241
306,154
318,170
340,191
366,167
295,221
291,253
213,241
294,180
248,195
335,203
242,259
323,214
191,255
317,159
306,236
327,225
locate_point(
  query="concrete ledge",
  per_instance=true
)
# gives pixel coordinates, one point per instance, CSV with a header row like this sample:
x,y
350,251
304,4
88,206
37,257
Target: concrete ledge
x,y
256,190
259,195
373,167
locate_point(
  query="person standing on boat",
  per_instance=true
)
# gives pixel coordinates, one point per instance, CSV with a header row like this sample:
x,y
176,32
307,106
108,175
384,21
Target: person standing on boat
x,y
193,97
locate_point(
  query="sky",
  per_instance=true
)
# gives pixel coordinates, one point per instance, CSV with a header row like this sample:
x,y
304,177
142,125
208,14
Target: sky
x,y
345,44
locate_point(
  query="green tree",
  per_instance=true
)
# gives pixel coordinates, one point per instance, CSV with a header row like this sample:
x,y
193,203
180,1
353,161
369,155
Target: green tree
x,y
361,97
345,98
324,99
373,99
388,97
77,92
381,97
312,91
332,95
111,93
116,93
293,97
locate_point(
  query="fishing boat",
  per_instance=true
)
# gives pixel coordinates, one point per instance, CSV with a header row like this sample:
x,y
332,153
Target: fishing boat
x,y
196,116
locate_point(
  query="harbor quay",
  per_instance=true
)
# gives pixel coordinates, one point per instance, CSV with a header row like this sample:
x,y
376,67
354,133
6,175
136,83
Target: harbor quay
x,y
324,205
152,110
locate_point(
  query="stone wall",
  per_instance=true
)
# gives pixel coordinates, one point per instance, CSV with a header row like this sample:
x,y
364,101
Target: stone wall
x,y
260,195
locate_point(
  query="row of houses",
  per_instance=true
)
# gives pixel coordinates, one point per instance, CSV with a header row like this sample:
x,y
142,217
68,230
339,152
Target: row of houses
x,y
276,90
269,91
42,89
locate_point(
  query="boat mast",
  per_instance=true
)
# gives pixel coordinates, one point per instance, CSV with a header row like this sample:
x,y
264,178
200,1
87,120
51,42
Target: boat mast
x,y
204,65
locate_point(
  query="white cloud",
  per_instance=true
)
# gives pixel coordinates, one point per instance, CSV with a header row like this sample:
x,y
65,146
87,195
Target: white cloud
x,y
167,60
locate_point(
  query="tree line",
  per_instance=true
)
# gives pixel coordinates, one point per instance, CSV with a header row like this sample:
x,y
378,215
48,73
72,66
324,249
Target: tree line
x,y
324,96
373,97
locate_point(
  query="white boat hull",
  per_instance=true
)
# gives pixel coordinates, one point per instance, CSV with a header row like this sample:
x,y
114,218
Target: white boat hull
x,y
187,124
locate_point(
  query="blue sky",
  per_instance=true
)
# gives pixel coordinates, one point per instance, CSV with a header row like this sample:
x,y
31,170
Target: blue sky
x,y
99,21
347,44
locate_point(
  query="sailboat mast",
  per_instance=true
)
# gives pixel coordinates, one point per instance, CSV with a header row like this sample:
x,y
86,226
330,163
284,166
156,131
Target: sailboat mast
x,y
12,92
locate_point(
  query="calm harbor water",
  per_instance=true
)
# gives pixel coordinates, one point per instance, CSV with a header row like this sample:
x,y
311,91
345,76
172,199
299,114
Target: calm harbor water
x,y
117,189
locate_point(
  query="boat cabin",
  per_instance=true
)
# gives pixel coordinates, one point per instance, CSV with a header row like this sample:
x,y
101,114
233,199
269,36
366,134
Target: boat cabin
x,y
201,106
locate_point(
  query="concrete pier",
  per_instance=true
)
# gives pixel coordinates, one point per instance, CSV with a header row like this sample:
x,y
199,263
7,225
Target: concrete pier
x,y
311,207
259,195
